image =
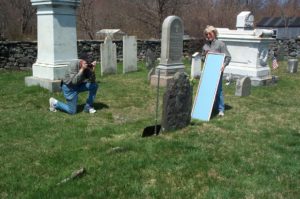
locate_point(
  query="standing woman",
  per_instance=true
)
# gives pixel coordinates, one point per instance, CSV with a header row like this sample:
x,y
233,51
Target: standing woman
x,y
212,44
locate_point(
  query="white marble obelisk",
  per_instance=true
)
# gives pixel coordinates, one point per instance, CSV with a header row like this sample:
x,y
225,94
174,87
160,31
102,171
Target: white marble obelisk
x,y
57,42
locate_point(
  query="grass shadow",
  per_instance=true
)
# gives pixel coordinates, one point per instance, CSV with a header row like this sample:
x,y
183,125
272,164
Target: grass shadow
x,y
227,107
97,106
215,112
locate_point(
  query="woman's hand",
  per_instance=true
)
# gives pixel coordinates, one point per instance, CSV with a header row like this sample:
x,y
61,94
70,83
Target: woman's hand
x,y
223,68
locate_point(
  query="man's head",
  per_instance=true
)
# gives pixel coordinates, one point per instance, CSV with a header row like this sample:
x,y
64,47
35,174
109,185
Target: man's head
x,y
210,33
84,56
84,60
82,63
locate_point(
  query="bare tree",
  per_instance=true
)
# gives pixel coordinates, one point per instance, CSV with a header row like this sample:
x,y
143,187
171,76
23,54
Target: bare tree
x,y
17,18
150,15
143,18
86,17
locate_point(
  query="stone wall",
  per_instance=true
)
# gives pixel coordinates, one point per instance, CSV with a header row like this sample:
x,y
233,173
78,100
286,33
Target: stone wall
x,y
284,49
93,47
17,55
21,55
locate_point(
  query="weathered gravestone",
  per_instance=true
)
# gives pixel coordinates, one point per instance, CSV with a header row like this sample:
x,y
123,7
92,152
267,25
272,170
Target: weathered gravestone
x,y
196,65
171,51
150,59
57,42
177,103
292,65
108,57
243,87
129,54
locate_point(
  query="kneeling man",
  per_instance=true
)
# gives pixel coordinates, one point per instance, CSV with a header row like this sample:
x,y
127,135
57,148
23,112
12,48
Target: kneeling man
x,y
80,77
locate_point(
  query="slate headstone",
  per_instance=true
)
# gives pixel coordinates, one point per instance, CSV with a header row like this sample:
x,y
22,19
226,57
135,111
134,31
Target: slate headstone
x,y
177,103
243,87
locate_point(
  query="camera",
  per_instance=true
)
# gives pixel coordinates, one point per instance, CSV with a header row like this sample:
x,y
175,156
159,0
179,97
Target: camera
x,y
89,65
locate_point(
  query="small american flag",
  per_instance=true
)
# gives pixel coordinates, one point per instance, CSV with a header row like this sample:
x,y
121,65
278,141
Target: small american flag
x,y
274,63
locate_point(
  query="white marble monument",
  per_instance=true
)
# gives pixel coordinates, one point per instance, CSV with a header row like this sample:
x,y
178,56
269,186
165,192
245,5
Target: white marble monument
x,y
129,54
108,57
57,42
108,51
249,50
196,65
171,51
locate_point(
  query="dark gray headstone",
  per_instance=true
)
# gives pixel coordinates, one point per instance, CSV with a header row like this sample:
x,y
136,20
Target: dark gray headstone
x,y
243,87
150,59
177,103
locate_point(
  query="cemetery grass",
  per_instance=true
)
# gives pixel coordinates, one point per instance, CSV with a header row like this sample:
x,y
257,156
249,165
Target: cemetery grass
x,y
252,152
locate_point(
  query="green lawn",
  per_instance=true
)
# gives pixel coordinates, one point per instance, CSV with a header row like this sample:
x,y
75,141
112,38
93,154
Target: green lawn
x,y
253,152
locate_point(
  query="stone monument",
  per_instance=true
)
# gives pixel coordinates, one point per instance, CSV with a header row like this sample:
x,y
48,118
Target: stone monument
x,y
177,103
249,50
196,65
57,42
129,54
292,65
108,57
243,87
108,51
171,51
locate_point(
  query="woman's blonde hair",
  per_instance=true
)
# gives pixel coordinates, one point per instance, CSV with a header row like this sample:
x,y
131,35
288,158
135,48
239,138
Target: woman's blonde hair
x,y
209,29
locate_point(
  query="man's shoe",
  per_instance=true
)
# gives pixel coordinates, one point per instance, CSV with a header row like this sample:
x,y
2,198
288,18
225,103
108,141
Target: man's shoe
x,y
221,114
90,110
52,102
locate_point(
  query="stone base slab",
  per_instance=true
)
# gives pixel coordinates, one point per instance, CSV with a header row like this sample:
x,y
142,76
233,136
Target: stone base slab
x,y
51,85
169,70
164,81
166,73
49,71
265,81
256,81
243,70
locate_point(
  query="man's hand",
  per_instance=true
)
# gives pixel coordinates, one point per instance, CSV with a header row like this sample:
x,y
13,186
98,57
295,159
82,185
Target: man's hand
x,y
94,65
